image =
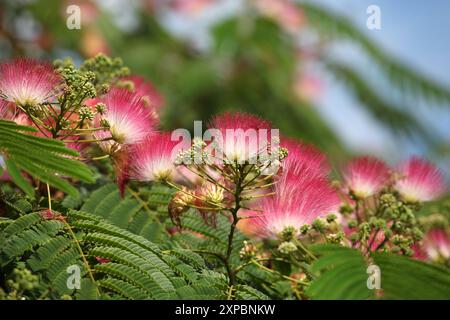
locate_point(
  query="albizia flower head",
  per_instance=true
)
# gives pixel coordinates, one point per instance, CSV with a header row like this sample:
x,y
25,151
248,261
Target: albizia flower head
x,y
420,181
153,159
242,136
295,203
365,176
129,121
435,246
146,90
28,82
303,160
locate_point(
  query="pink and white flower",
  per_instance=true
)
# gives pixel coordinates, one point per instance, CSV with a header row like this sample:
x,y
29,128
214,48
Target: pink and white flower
x,y
420,181
366,176
129,120
28,82
295,203
154,158
303,160
435,246
239,137
147,91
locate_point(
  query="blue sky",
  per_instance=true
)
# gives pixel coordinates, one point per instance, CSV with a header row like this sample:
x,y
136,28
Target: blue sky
x,y
418,33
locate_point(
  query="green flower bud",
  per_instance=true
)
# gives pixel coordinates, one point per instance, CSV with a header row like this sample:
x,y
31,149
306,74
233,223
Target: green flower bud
x,y
331,217
319,224
305,228
85,113
100,107
287,247
288,234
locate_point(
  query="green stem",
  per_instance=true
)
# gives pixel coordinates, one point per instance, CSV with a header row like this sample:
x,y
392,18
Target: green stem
x,y
230,271
101,157
301,246
263,267
49,197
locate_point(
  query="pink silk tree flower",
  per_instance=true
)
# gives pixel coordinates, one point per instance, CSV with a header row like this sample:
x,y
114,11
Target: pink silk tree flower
x,y
366,176
28,82
420,181
154,158
239,137
129,121
295,203
303,160
435,246
147,91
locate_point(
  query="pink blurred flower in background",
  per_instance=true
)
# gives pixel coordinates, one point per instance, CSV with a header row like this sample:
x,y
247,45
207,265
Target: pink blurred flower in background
x,y
190,7
365,176
435,246
420,181
307,86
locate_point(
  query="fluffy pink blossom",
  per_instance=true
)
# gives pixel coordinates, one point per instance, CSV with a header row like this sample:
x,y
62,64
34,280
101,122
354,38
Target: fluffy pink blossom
x,y
308,86
27,82
129,120
420,181
239,136
303,160
146,90
435,246
295,203
365,176
153,159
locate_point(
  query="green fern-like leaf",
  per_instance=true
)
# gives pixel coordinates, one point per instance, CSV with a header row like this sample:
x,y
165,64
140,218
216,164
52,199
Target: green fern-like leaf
x,y
131,213
47,160
214,236
114,262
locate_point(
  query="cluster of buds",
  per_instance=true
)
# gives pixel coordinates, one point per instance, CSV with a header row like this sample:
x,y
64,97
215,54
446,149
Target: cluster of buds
x,y
248,251
20,282
379,213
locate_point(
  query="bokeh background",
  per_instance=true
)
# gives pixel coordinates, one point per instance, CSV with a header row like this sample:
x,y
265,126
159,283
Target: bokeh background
x,y
311,67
